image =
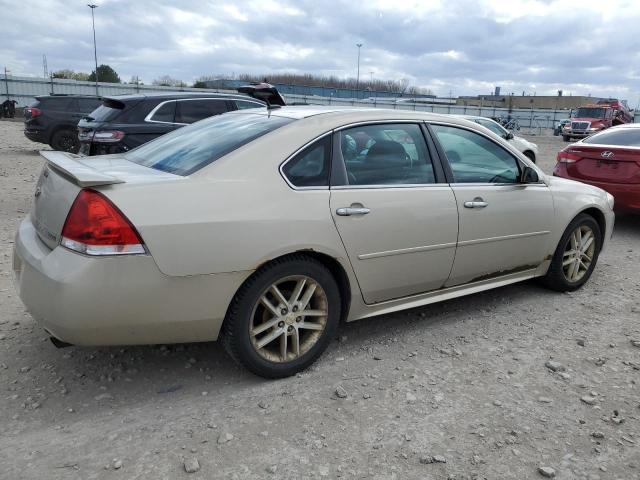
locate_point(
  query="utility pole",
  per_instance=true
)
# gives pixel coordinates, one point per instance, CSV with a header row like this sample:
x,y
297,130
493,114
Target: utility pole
x,y
6,81
45,70
95,51
359,45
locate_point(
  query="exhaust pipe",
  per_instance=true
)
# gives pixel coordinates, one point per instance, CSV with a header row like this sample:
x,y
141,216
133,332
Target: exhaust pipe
x,y
59,343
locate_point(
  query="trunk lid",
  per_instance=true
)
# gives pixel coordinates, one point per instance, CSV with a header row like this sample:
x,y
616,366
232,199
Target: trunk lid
x,y
605,164
65,175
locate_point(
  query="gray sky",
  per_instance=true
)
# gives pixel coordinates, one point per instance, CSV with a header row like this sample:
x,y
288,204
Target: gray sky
x,y
463,46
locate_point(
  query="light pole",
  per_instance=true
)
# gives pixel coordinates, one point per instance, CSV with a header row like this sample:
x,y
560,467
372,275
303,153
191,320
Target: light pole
x,y
359,45
95,51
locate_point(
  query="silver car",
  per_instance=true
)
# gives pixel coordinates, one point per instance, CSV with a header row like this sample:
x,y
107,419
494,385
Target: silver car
x,y
267,228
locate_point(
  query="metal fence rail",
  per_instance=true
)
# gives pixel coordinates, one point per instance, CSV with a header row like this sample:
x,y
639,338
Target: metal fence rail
x,y
25,89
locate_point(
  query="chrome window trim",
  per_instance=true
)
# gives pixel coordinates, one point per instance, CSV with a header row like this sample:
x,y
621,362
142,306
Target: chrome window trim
x,y
390,185
152,112
290,157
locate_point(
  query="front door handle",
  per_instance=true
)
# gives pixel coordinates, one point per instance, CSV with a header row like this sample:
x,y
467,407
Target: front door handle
x,y
477,202
348,211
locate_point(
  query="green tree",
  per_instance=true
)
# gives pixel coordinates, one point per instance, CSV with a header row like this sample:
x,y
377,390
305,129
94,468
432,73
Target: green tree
x,y
105,74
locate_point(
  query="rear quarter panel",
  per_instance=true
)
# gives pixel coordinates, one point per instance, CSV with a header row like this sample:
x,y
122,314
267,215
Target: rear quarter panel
x,y
234,214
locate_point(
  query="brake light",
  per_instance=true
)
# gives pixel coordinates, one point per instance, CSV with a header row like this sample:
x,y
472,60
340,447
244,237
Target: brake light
x,y
108,136
567,157
35,112
95,226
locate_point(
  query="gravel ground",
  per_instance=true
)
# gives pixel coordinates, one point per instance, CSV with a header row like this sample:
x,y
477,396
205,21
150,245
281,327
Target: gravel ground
x,y
497,385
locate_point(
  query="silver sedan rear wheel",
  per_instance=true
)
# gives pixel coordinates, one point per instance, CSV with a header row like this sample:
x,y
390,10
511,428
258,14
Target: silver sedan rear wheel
x,y
288,318
578,253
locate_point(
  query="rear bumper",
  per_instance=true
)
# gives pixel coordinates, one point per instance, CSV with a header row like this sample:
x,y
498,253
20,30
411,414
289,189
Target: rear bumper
x,y
35,135
627,196
119,300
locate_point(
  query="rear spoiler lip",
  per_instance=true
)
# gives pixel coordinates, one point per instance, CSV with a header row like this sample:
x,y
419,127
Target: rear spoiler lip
x,y
81,174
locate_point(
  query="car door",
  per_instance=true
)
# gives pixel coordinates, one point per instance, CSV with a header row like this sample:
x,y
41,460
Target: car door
x,y
504,224
395,214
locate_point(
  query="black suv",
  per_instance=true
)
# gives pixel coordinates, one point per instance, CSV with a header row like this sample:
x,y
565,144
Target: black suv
x,y
53,119
125,121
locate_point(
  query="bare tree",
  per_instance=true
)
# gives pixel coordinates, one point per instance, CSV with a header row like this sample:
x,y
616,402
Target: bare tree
x,y
168,81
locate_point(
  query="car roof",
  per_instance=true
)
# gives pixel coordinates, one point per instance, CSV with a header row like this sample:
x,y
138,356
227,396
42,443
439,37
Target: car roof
x,y
64,95
476,117
179,95
336,114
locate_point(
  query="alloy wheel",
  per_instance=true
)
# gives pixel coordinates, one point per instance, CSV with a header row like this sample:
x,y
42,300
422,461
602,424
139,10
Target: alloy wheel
x,y
288,319
578,253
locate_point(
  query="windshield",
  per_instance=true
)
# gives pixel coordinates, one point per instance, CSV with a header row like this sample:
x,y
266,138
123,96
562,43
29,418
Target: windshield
x,y
589,113
493,126
190,148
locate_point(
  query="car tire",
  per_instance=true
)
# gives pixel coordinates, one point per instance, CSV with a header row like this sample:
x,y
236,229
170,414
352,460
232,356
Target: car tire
x,y
570,277
65,141
260,314
530,155
566,138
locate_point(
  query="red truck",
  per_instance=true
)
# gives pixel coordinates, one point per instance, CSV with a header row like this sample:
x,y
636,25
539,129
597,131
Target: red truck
x,y
590,119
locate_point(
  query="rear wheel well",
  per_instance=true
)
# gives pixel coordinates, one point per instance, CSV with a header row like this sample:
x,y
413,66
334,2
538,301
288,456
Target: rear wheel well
x,y
598,216
334,267
340,276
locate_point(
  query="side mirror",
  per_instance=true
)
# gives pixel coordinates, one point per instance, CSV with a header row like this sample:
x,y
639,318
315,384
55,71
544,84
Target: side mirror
x,y
508,136
529,175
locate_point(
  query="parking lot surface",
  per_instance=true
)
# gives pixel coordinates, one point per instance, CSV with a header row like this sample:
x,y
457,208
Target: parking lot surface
x,y
495,385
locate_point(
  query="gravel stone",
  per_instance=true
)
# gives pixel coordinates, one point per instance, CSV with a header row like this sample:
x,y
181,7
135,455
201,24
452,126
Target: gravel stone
x,y
191,465
547,472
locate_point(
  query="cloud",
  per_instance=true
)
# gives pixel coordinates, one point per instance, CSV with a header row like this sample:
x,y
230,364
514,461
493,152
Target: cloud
x,y
467,46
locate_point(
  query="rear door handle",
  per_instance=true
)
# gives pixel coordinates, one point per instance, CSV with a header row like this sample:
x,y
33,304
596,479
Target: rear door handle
x,y
348,211
477,202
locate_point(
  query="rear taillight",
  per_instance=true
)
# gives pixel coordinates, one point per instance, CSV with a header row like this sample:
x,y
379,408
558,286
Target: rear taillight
x,y
567,157
108,136
34,112
95,226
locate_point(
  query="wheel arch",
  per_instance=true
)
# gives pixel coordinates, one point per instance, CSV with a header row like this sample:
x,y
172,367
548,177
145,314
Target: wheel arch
x,y
334,266
600,219
57,128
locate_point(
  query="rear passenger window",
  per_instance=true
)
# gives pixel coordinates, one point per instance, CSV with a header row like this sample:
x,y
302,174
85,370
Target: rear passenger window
x,y
386,154
59,103
310,168
242,104
165,112
189,111
87,105
474,158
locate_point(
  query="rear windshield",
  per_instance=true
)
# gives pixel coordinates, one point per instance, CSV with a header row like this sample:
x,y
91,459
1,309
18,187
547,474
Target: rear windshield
x,y
190,148
629,137
108,111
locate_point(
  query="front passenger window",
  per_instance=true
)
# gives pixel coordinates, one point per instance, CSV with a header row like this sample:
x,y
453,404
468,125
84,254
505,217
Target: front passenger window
x,y
474,158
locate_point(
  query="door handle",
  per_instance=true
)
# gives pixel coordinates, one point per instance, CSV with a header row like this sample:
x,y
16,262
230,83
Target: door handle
x,y
348,211
477,202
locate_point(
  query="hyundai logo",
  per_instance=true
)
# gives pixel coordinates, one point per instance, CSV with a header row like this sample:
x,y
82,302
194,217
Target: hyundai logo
x,y
606,154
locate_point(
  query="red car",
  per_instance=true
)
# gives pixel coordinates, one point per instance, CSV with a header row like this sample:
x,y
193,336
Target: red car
x,y
609,160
